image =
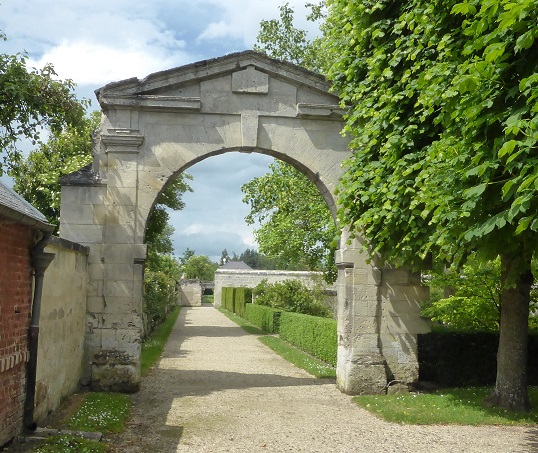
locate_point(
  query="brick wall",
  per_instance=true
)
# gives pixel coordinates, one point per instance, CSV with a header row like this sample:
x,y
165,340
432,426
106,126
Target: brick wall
x,y
15,305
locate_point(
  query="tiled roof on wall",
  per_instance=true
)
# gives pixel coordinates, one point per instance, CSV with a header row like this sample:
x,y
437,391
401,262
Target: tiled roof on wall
x,y
16,208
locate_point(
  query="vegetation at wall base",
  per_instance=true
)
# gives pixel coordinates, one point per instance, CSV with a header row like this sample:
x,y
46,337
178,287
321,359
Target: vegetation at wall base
x,y
101,412
299,358
153,346
71,444
461,406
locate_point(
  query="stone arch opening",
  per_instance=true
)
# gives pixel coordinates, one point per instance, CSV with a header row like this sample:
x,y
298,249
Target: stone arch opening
x,y
324,192
151,130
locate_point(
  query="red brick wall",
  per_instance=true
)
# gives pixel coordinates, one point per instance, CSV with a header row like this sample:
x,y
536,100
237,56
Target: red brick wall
x,y
15,305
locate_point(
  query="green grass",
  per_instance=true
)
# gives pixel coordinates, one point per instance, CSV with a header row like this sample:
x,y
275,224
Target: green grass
x,y
463,406
292,354
153,347
299,358
70,444
243,323
102,412
99,412
208,298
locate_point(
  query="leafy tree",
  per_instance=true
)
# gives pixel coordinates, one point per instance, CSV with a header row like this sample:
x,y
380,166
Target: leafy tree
x,y
291,295
31,100
279,38
296,232
475,300
161,275
185,257
257,260
297,228
158,230
441,100
224,258
37,177
200,267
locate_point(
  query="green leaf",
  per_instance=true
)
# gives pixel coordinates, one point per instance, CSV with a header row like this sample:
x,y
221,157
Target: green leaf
x,y
507,148
494,52
525,41
466,84
508,189
523,225
475,191
463,8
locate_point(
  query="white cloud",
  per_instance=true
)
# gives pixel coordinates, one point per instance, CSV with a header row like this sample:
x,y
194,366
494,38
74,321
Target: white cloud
x,y
241,19
90,63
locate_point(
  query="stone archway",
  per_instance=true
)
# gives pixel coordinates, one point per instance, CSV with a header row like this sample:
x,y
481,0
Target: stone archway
x,y
155,128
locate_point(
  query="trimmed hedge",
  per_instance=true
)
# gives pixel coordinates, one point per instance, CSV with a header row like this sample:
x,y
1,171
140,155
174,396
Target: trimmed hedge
x,y
466,359
228,299
239,301
266,318
314,335
235,299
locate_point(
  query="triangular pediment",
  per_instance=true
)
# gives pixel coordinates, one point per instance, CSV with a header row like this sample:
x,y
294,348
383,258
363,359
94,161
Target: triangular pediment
x,y
246,72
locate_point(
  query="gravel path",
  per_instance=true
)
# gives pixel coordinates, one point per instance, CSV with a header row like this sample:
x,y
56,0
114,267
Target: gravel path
x,y
218,389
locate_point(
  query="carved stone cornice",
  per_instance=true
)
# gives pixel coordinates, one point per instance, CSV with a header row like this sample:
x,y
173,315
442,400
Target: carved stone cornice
x,y
319,111
150,102
122,140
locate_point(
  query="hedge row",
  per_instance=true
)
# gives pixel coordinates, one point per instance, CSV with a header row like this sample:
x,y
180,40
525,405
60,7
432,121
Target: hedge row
x,y
266,318
466,359
312,334
235,299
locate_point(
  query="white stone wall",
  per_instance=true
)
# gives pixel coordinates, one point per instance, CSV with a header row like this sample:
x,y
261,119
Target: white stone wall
x,y
190,293
62,328
239,278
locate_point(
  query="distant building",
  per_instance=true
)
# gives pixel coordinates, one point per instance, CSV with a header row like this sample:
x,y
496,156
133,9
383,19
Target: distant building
x,y
239,265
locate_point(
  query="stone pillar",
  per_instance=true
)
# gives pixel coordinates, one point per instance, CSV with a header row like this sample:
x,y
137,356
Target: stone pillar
x,y
217,291
101,210
361,367
401,296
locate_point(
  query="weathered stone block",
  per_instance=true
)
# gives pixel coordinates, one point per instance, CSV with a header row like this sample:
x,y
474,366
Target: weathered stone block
x,y
115,371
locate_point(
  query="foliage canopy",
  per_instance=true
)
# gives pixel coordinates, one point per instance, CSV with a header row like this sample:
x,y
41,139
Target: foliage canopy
x,y
296,226
441,104
30,101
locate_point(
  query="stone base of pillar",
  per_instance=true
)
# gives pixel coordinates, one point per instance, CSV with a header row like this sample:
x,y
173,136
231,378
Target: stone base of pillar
x,y
115,371
363,374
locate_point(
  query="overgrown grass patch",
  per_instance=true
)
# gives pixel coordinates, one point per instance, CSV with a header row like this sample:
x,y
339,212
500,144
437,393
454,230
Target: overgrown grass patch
x,y
153,347
102,412
311,365
463,406
70,444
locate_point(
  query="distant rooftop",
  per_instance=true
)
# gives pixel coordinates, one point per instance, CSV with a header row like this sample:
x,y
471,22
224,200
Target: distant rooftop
x,y
16,208
236,265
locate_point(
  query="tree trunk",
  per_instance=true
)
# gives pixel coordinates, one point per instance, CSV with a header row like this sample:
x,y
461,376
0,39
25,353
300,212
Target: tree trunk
x,y
510,390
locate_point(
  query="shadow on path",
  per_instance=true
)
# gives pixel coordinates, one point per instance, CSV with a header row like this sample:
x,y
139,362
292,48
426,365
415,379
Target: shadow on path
x,y
151,427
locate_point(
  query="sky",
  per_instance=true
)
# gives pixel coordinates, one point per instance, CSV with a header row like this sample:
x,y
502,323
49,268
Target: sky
x,y
100,41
